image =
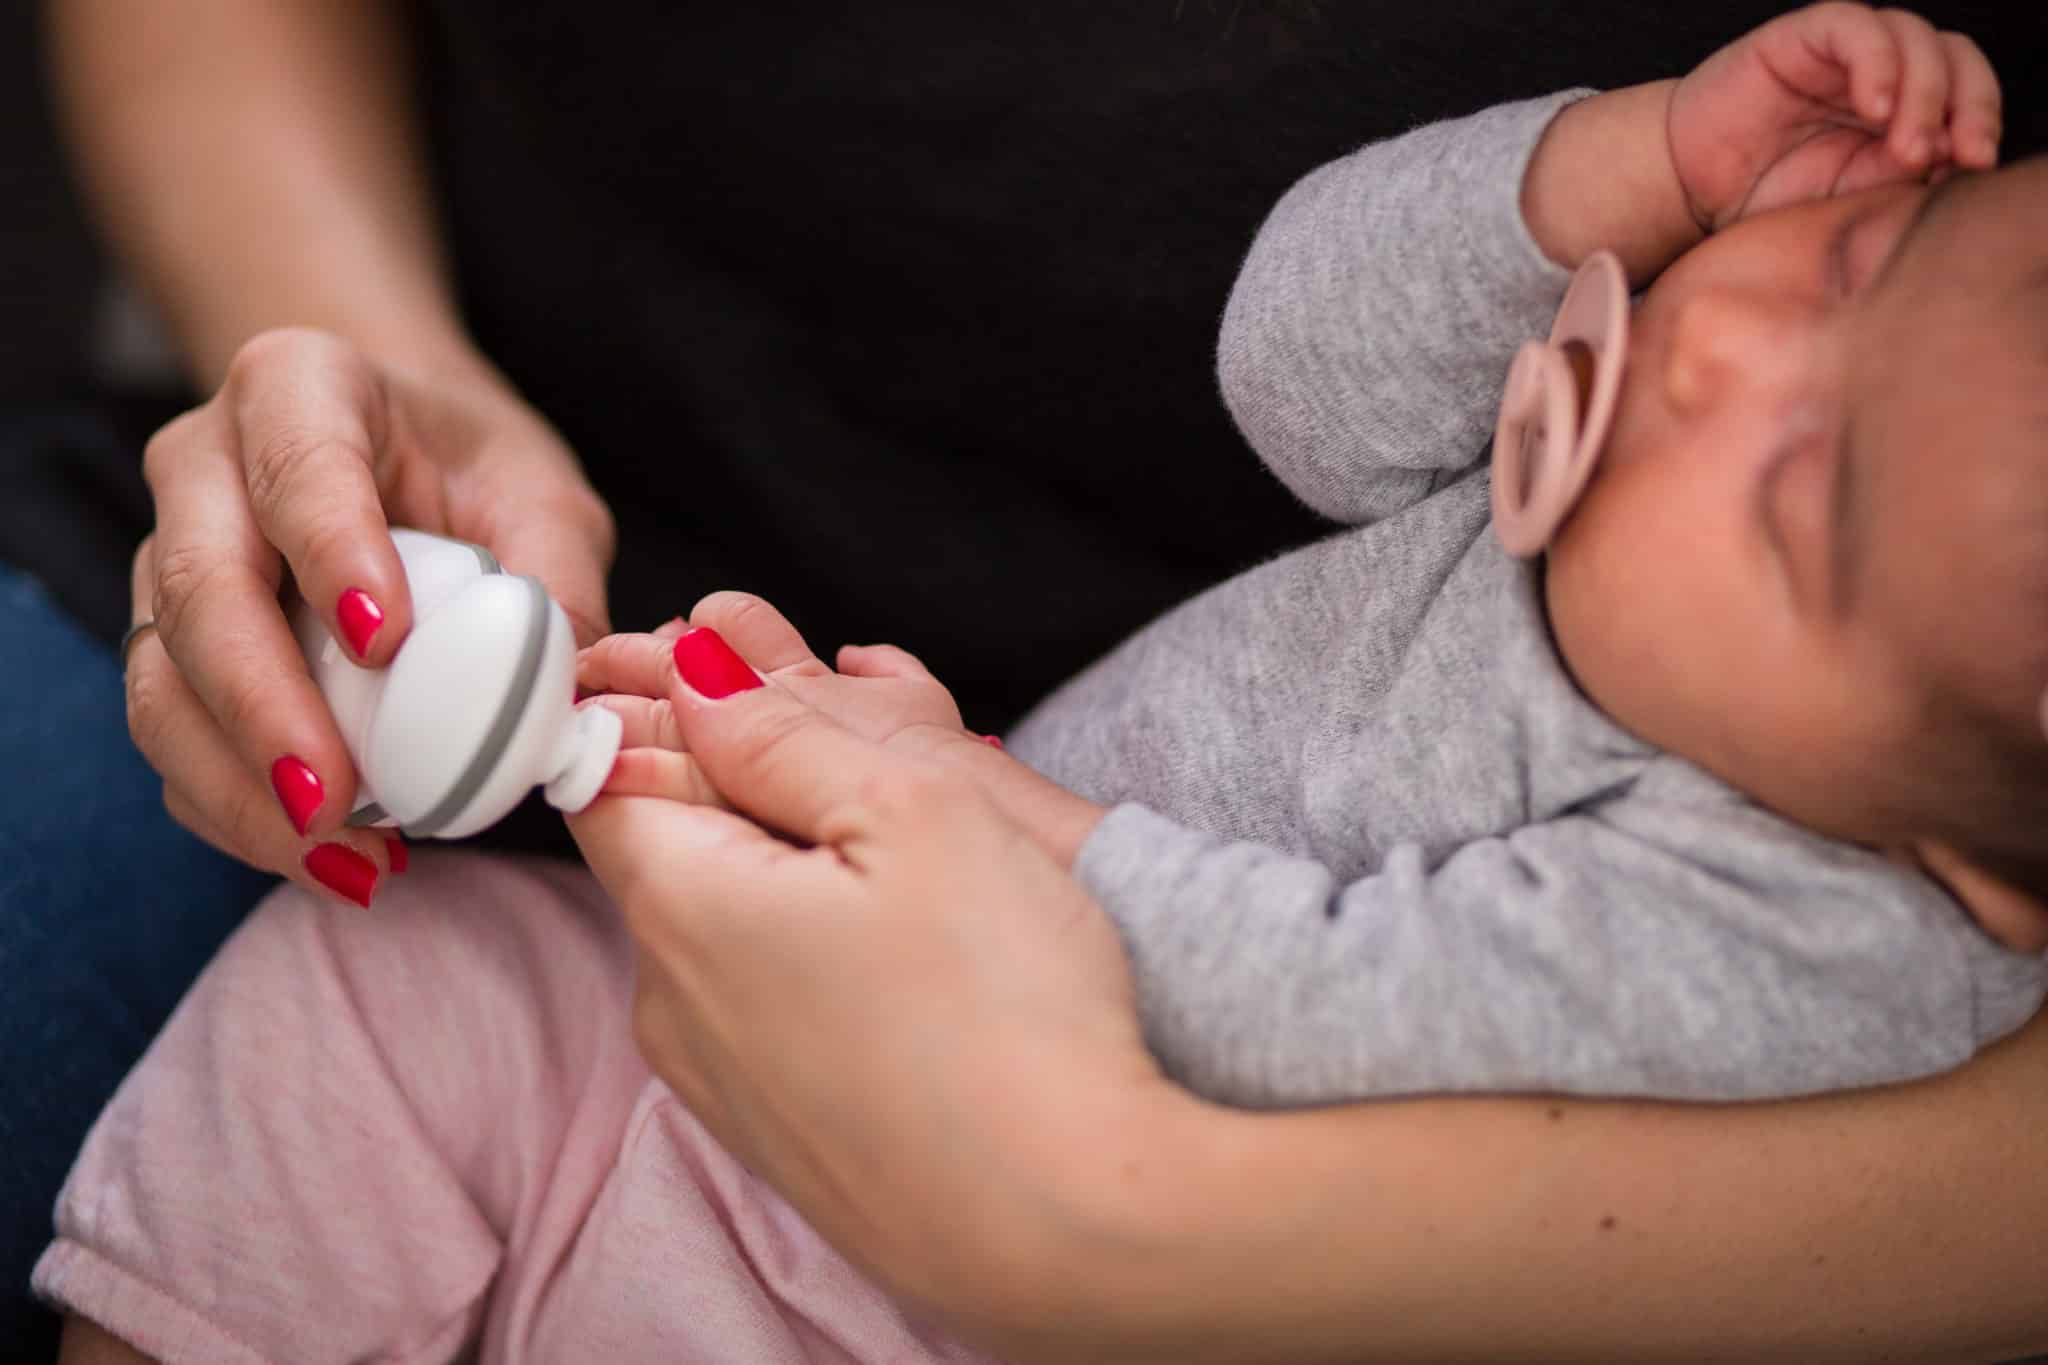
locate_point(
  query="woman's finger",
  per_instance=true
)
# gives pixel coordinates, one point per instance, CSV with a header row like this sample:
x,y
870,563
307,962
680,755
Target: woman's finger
x,y
213,594
513,486
310,431
561,535
1976,118
1918,135
173,731
775,758
222,803
349,867
668,864
636,841
762,635
643,665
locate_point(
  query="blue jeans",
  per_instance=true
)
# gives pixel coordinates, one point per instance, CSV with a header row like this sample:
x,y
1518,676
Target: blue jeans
x,y
107,911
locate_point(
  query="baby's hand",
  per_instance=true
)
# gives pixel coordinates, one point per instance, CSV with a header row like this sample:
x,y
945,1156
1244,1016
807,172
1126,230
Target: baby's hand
x,y
879,691
1828,100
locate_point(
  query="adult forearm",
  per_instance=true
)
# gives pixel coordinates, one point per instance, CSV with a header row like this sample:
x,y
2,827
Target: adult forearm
x,y
1602,176
1907,1221
255,163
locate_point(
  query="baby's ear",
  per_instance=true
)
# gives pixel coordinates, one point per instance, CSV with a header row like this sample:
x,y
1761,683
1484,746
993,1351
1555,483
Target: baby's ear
x,y
2016,918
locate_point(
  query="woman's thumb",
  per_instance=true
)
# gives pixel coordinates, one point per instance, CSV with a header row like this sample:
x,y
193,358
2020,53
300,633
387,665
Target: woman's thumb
x,y
570,555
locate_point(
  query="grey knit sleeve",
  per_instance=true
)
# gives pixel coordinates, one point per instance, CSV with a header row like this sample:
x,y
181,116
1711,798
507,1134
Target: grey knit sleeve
x,y
1635,950
1367,336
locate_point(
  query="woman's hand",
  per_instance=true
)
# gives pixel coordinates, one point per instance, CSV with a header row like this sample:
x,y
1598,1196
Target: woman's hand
x,y
910,1021
1829,100
881,693
305,457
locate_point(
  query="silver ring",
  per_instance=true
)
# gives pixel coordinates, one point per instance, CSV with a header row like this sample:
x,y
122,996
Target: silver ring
x,y
128,637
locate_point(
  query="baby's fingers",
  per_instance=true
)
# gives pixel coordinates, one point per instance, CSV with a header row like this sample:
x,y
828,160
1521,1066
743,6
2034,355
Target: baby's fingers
x,y
1823,50
1918,136
664,773
636,664
644,722
1976,107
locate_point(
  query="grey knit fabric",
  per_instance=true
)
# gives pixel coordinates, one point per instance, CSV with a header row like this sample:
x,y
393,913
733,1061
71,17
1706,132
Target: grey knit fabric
x,y
1369,839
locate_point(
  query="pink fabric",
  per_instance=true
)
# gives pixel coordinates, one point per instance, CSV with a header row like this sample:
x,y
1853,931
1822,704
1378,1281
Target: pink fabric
x,y
404,1134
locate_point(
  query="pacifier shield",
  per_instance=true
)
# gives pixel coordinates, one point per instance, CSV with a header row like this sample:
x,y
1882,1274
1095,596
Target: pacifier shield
x,y
1557,407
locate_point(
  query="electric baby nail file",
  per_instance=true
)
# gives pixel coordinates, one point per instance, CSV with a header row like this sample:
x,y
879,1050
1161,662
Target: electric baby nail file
x,y
475,709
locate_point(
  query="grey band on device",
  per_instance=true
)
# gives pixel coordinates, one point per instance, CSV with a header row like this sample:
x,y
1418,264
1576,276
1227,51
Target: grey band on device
x,y
497,738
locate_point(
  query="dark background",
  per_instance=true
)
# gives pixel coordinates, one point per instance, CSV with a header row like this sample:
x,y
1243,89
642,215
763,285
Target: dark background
x,y
47,263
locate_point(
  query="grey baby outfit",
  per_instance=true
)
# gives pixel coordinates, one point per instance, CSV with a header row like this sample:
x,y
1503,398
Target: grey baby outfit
x,y
1368,838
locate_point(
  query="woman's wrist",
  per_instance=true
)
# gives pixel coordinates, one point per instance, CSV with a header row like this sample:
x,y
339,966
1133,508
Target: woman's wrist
x,y
428,345
1602,176
1058,821
409,327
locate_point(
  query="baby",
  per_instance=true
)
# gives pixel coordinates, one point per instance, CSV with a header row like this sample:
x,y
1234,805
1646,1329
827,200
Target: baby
x,y
1654,814
1430,817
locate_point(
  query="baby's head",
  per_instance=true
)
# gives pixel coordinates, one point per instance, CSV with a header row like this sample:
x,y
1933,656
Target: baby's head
x,y
1813,558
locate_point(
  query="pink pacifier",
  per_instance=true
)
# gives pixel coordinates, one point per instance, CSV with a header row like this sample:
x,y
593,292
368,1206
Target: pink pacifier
x,y
1557,407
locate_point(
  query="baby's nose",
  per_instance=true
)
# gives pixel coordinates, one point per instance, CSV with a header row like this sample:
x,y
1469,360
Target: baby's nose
x,y
1728,344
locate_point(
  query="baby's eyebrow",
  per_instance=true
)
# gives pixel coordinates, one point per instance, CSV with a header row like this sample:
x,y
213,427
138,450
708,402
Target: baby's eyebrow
x,y
1845,526
1922,213
1847,513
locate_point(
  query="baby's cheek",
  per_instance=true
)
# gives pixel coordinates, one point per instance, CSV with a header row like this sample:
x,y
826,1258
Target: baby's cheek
x,y
1648,610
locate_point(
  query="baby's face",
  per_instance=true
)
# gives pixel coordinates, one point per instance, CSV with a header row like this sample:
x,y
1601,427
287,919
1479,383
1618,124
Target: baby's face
x,y
1827,485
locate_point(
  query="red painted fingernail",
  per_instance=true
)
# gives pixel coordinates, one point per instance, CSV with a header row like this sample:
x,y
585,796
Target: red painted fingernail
x,y
343,871
709,665
993,741
298,791
360,618
401,856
